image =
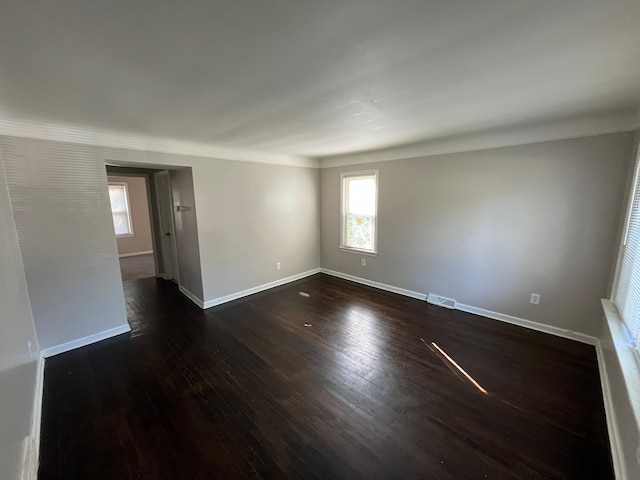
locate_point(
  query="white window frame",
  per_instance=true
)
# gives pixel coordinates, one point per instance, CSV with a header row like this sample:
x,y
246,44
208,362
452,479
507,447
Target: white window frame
x,y
343,212
128,211
634,343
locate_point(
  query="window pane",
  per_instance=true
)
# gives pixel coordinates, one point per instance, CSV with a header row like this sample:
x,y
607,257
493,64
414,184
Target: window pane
x,y
120,209
118,198
121,223
359,231
362,196
359,221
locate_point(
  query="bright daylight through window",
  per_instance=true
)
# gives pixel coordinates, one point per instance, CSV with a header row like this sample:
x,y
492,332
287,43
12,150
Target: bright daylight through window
x,y
626,294
359,211
120,209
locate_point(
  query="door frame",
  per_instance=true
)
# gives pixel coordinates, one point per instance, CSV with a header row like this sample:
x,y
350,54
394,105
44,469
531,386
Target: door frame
x,y
164,194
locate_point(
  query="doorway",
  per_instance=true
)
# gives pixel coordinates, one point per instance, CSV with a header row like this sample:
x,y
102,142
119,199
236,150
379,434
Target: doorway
x,y
141,204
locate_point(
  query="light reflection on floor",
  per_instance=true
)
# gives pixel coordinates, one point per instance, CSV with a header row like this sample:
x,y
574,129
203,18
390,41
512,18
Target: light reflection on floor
x,y
458,367
362,333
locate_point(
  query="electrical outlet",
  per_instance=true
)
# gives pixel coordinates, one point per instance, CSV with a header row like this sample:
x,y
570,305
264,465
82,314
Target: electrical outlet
x,y
535,298
277,265
363,261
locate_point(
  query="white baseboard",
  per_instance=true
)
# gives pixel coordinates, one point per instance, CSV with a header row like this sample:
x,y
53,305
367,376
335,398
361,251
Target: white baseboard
x,y
134,254
615,441
191,296
371,283
81,342
260,288
540,327
31,444
530,324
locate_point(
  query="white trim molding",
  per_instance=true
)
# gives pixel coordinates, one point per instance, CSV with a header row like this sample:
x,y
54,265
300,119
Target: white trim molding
x,y
630,368
31,444
135,254
371,283
259,288
615,441
87,135
530,324
84,341
540,327
511,136
194,298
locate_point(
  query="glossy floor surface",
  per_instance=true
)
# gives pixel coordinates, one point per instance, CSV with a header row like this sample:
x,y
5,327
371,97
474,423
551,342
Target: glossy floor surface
x,y
348,382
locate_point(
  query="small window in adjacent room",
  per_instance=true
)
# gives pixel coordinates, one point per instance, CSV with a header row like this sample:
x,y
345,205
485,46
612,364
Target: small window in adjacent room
x,y
359,211
120,210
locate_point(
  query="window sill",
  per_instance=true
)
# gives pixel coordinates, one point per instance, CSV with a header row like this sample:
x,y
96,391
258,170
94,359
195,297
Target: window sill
x,y
125,235
627,357
368,253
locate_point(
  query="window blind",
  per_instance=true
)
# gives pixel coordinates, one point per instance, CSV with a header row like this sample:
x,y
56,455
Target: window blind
x,y
627,291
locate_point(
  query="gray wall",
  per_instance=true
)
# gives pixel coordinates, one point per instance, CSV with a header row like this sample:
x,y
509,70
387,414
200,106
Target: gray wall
x,y
251,216
17,368
63,219
190,270
489,228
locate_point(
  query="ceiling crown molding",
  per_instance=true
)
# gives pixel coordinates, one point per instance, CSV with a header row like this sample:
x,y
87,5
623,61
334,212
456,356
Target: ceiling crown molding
x,y
624,121
85,135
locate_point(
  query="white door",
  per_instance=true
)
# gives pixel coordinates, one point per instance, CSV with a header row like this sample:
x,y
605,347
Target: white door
x,y
165,209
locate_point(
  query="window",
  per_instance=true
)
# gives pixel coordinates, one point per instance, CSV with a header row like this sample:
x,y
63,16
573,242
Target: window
x,y
118,195
359,211
626,294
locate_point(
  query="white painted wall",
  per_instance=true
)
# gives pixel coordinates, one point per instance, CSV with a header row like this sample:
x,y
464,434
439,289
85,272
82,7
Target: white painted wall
x,y
251,216
490,227
17,366
189,266
63,218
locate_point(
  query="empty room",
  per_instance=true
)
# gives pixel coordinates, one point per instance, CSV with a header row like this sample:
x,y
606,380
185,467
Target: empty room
x,y
294,239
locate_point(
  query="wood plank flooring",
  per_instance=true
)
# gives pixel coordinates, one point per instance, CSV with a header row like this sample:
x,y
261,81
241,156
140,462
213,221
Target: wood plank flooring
x,y
137,267
246,390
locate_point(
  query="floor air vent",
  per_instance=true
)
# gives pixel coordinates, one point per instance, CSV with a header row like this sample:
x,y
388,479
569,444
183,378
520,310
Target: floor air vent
x,y
441,301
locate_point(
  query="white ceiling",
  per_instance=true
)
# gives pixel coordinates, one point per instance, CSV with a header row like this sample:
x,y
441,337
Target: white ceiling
x,y
317,78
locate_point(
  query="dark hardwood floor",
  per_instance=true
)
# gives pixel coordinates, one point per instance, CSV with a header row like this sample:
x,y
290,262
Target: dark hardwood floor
x,y
246,390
